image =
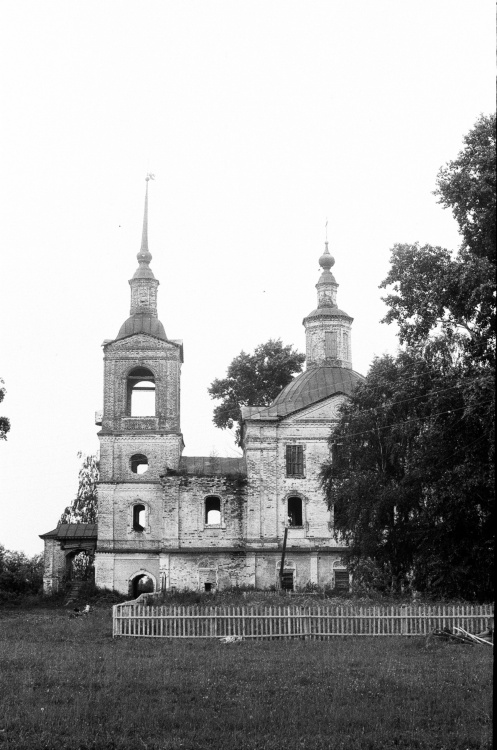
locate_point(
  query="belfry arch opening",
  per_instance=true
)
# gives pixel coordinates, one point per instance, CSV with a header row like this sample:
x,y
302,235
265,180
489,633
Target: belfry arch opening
x,y
138,463
212,511
140,393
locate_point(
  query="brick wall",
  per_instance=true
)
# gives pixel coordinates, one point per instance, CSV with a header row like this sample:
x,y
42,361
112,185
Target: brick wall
x,y
54,566
222,569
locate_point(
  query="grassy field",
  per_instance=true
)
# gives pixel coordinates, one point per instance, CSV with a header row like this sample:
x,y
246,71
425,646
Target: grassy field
x,y
66,685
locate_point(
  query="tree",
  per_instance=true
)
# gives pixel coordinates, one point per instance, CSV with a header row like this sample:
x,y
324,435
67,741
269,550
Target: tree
x,y
436,292
4,421
414,450
253,380
410,479
84,508
467,186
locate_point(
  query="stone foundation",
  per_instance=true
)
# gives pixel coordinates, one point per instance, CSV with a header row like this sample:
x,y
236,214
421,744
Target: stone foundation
x,y
218,569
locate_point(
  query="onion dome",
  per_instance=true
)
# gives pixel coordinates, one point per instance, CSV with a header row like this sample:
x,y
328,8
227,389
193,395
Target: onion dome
x,y
326,261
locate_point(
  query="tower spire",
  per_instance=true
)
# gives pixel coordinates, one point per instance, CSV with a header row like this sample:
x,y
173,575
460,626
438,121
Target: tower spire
x,y
143,311
144,284
144,256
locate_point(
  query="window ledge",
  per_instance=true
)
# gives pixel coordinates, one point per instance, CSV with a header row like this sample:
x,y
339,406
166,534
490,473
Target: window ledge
x,y
215,526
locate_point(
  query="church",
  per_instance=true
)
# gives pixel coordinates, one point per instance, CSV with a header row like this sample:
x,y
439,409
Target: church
x,y
168,521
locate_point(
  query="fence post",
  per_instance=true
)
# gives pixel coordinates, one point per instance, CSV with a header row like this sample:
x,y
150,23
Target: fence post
x,y
404,627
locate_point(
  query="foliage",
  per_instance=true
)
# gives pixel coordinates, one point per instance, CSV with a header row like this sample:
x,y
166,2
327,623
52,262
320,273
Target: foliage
x,y
435,292
411,481
19,574
253,380
82,567
84,508
467,186
412,476
4,421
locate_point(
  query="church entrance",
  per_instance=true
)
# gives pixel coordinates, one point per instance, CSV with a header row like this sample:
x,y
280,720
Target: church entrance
x,y
142,584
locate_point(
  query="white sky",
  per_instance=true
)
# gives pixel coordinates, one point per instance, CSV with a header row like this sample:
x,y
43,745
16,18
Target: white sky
x,y
259,119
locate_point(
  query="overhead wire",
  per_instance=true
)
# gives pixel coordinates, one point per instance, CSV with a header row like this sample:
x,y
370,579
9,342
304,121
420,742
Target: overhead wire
x,y
406,421
374,409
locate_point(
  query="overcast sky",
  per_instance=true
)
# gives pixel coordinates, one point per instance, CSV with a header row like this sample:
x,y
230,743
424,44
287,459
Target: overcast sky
x,y
260,120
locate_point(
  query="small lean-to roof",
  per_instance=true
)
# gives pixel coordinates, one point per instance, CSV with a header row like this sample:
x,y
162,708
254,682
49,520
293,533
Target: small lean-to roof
x,y
72,531
310,387
212,466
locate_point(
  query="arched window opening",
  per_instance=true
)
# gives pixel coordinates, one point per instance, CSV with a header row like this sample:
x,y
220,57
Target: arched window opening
x,y
139,463
138,517
212,511
295,511
140,393
141,585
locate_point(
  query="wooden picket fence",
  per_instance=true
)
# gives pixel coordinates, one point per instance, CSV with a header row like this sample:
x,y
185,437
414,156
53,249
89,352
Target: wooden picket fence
x,y
316,622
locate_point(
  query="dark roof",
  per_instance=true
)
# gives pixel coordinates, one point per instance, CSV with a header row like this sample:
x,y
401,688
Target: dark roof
x,y
326,311
212,466
142,323
72,531
310,387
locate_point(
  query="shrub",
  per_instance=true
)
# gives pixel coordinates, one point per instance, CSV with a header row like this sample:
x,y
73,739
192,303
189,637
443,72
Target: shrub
x,y
19,574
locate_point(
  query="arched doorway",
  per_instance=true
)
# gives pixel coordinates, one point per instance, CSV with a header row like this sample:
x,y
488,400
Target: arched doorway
x,y
143,583
80,565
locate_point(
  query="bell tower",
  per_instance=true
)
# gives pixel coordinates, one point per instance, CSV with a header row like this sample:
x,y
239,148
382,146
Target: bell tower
x,y
140,437
141,434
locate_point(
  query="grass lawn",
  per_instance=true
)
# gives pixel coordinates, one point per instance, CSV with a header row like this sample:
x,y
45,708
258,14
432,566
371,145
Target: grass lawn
x,y
65,684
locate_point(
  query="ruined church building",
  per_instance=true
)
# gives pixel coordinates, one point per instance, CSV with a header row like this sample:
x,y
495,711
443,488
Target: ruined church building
x,y
184,522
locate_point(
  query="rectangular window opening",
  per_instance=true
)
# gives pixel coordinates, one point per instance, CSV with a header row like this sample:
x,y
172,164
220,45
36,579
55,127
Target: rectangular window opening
x,y
295,460
342,580
330,344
